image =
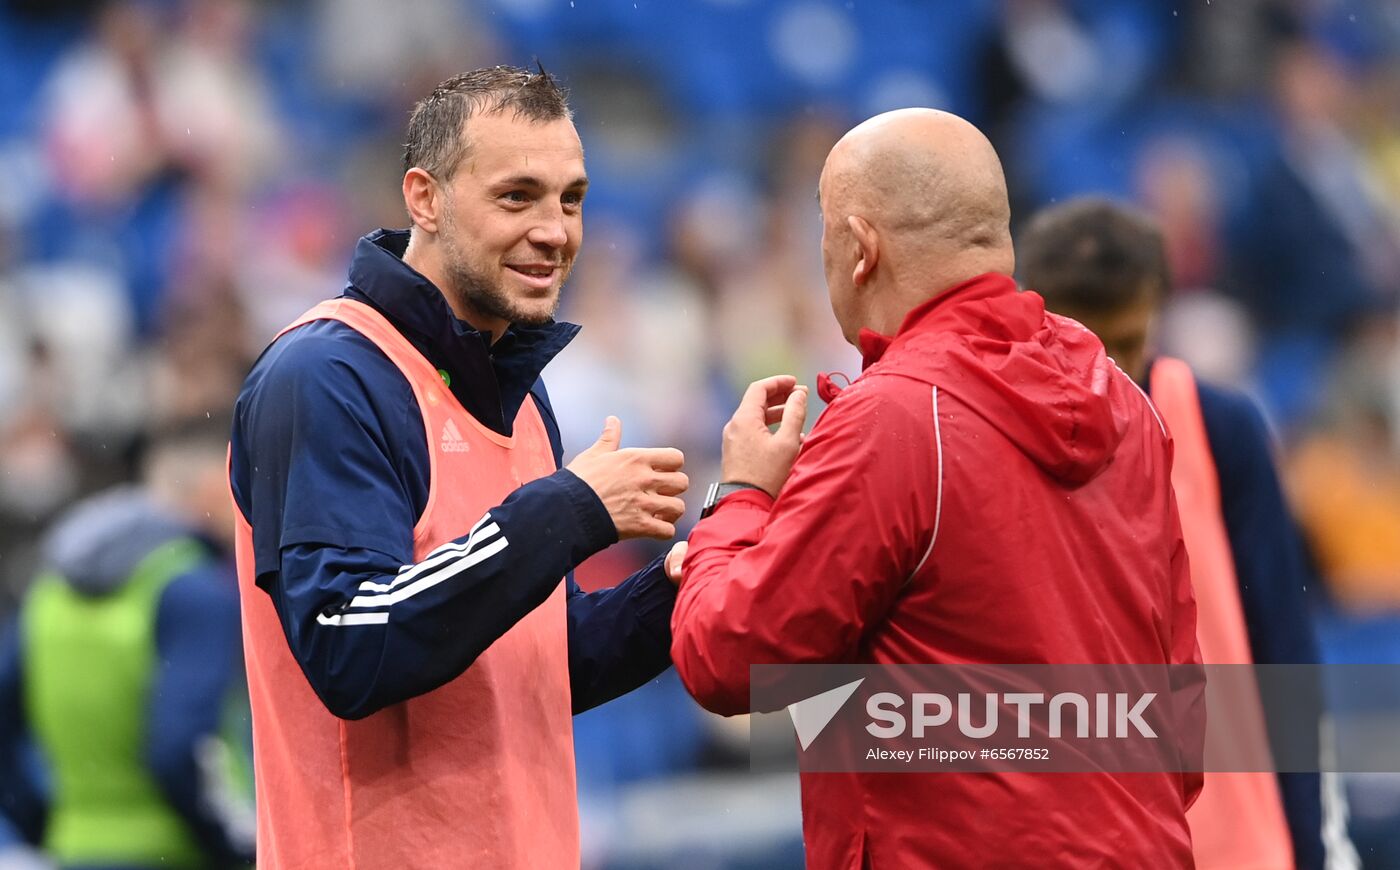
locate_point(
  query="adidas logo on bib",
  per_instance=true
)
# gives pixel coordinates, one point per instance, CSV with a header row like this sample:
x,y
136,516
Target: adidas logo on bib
x,y
452,440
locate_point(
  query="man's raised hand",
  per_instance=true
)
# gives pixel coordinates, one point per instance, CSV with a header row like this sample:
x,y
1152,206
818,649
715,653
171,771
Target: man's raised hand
x,y
639,486
753,454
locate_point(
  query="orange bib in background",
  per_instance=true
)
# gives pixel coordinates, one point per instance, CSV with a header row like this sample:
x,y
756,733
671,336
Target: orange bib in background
x,y
1238,822
477,773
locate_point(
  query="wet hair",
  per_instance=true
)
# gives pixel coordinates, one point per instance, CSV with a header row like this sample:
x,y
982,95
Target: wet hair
x,y
1093,255
437,135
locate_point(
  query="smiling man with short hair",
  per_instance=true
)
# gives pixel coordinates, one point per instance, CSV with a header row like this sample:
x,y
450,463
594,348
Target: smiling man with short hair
x,y
414,644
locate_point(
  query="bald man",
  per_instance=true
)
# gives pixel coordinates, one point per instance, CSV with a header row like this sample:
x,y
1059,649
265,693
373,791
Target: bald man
x,y
990,489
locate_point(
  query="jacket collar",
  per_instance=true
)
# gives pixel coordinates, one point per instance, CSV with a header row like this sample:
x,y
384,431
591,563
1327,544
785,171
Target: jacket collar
x,y
490,381
960,308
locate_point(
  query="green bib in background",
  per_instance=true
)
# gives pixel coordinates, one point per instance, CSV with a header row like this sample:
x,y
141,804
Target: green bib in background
x,y
84,654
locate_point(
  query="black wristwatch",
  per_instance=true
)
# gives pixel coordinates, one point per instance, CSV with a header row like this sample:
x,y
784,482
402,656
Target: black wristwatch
x,y
718,491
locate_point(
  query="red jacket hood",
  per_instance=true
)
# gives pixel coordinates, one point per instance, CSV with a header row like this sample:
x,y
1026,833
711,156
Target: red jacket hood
x,y
1041,379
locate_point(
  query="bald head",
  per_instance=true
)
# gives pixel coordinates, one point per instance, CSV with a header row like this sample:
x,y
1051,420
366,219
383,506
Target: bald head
x,y
924,175
913,201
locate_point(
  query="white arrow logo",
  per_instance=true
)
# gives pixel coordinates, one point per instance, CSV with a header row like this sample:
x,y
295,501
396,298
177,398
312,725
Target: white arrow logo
x,y
812,715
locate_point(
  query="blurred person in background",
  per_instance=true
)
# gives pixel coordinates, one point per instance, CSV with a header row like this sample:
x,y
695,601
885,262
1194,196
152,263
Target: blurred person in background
x,y
1105,265
1320,250
1184,184
159,90
124,671
415,641
1177,186
1345,474
162,106
972,398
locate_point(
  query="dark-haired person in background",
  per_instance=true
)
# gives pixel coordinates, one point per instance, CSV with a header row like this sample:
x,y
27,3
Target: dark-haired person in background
x,y
1104,265
415,643
123,671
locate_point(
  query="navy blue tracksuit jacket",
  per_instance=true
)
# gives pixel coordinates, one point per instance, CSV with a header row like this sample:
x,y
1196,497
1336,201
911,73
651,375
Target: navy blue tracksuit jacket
x,y
329,463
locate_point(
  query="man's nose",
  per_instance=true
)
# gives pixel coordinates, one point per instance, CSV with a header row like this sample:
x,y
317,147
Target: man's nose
x,y
550,231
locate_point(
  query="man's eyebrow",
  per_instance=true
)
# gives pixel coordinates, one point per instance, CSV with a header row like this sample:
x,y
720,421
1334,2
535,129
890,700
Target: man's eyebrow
x,y
580,183
518,181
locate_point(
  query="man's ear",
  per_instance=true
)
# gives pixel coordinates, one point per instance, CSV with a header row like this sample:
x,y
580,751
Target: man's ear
x,y
423,199
868,249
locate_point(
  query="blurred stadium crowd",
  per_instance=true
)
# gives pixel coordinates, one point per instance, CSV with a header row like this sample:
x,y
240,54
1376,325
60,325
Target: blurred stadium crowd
x,y
180,178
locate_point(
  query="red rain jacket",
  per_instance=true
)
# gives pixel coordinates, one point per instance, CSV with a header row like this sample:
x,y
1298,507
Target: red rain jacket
x,y
992,489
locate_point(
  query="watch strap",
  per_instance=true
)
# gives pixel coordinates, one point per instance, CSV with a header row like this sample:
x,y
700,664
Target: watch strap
x,y
719,490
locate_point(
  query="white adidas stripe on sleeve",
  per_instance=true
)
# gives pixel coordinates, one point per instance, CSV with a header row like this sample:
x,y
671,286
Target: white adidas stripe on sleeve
x,y
353,619
446,553
428,581
483,541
